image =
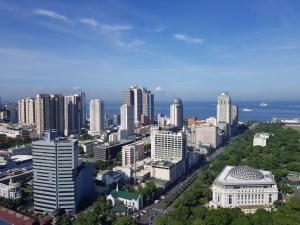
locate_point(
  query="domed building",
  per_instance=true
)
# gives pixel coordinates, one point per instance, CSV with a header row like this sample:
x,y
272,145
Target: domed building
x,y
244,187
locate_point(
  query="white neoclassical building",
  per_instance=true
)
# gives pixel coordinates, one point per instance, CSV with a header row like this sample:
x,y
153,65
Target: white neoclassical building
x,y
244,187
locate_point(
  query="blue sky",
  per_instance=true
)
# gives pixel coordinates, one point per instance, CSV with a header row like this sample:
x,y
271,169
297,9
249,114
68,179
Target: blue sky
x,y
191,49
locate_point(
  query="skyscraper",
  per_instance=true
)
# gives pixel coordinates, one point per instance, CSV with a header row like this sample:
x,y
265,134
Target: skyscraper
x,y
96,117
83,109
142,101
42,109
127,121
176,113
22,111
57,113
55,171
72,115
224,111
30,110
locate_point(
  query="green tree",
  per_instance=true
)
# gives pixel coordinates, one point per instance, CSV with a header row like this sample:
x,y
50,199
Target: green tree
x,y
125,220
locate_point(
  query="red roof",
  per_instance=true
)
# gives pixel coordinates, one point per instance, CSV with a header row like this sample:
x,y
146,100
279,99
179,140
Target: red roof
x,y
14,217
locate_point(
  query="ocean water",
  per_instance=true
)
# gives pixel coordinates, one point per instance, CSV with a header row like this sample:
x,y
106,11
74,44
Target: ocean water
x,y
248,110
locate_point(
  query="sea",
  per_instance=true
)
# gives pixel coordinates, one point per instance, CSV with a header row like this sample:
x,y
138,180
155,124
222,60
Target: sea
x,y
248,110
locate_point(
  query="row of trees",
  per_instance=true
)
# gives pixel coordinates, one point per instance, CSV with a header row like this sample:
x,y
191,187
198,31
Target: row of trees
x,y
281,154
6,142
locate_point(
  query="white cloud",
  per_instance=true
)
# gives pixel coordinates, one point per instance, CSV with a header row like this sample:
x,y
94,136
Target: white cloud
x,y
89,21
51,14
131,44
158,89
186,38
116,27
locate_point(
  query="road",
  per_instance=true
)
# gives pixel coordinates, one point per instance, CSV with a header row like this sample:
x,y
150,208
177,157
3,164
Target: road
x,y
149,214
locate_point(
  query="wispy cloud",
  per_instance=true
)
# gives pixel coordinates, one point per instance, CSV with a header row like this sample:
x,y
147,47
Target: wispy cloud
x,y
186,38
89,21
156,30
51,14
116,27
158,89
129,44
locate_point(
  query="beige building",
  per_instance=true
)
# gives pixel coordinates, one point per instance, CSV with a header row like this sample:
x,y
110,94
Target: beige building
x,y
30,110
96,117
22,111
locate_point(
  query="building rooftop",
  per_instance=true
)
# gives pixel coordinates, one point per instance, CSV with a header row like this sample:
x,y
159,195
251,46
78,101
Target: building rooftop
x,y
244,175
124,195
163,163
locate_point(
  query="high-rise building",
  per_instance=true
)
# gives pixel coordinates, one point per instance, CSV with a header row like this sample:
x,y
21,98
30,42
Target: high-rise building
x,y
224,110
22,111
55,171
176,113
234,118
142,101
127,121
30,110
42,112
72,114
132,152
167,145
116,120
96,117
148,104
83,109
57,113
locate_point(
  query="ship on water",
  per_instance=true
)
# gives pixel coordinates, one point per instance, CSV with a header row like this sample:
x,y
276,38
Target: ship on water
x,y
263,104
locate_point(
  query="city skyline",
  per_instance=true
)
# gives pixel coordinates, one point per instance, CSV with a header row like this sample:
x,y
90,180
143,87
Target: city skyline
x,y
106,46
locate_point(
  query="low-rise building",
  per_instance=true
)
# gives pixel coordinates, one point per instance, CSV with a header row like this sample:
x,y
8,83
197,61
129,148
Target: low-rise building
x,y
168,170
10,191
260,139
132,202
244,187
20,150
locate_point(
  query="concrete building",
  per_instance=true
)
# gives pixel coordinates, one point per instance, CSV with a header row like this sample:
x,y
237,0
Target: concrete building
x,y
72,115
260,139
96,117
163,120
224,110
132,153
10,191
234,118
116,120
58,181
142,101
83,109
57,113
42,107
167,145
127,121
168,170
22,111
30,110
176,113
244,187
20,150
204,135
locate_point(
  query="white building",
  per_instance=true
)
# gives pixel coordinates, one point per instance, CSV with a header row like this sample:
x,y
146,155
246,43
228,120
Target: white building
x,y
168,170
132,202
224,110
163,120
127,121
176,113
113,137
260,139
132,152
97,125
167,145
244,187
10,191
